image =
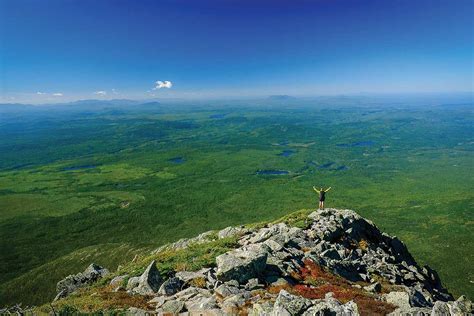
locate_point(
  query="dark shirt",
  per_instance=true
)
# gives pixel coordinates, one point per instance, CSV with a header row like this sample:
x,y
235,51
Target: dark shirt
x,y
322,195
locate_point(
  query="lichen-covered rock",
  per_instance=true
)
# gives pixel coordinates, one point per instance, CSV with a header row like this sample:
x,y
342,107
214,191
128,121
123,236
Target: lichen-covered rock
x,y
331,306
149,282
241,264
230,231
172,307
288,304
171,286
72,282
400,299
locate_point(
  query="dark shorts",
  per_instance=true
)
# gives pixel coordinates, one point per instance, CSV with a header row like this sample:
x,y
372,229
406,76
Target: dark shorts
x,y
321,199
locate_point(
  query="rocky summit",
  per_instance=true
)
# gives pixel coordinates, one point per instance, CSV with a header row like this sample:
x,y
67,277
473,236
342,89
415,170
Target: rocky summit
x,y
329,262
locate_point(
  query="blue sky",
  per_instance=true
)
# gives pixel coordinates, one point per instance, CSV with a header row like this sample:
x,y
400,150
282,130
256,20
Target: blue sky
x,y
80,49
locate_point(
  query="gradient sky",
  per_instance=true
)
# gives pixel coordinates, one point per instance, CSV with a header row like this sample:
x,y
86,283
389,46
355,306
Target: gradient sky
x,y
74,48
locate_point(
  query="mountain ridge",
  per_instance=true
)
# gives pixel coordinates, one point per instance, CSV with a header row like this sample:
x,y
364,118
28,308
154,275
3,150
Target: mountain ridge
x,y
307,263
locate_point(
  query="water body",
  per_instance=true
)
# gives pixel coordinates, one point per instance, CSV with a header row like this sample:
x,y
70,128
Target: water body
x,y
358,144
287,153
177,160
272,172
326,165
217,116
72,168
341,168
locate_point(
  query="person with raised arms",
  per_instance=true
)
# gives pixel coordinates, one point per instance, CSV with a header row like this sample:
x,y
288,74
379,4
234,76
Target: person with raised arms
x,y
322,196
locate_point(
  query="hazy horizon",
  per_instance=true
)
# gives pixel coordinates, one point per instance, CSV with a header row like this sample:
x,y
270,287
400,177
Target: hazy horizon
x,y
72,50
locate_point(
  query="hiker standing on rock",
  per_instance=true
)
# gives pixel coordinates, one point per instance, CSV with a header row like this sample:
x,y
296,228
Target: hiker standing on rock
x,y
322,196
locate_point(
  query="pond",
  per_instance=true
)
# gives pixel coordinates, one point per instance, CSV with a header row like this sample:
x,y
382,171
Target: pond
x,y
272,172
217,116
177,160
357,144
287,153
326,165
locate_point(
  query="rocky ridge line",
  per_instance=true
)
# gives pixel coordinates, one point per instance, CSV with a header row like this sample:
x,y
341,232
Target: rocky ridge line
x,y
283,270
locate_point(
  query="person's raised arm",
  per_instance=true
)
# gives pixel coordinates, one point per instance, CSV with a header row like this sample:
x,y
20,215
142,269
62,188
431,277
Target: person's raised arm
x,y
327,189
315,189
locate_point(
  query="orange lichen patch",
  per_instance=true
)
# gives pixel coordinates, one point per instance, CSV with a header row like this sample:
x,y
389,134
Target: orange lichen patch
x,y
318,282
275,289
363,244
198,282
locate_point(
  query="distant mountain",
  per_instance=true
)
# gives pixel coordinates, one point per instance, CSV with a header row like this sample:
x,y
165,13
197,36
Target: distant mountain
x,y
14,107
80,105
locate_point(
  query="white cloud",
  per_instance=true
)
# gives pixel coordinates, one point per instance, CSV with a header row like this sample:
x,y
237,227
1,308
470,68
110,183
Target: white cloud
x,y
162,84
41,93
101,92
114,91
58,94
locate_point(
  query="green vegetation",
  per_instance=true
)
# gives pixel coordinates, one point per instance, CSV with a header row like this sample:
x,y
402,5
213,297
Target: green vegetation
x,y
80,186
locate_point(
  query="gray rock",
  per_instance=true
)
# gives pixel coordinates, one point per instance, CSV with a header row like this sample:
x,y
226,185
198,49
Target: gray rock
x,y
230,231
331,306
173,307
440,309
133,283
462,306
234,283
253,284
225,290
288,304
273,245
331,254
235,302
400,299
241,264
201,303
158,301
188,293
374,288
73,282
149,282
118,280
171,286
418,298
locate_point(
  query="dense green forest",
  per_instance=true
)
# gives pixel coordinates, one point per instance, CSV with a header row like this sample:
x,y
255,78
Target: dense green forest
x,y
85,184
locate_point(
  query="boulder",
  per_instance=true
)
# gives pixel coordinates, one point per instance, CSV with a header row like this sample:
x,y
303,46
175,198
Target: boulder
x,y
400,299
149,282
72,282
132,283
331,306
172,307
201,304
288,304
241,264
230,232
225,290
170,286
